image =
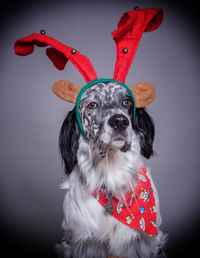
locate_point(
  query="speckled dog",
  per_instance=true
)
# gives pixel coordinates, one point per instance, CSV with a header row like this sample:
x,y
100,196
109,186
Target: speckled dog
x,y
110,160
111,207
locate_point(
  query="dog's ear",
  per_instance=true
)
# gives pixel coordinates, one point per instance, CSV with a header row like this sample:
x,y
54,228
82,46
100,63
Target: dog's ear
x,y
68,141
144,127
66,90
144,93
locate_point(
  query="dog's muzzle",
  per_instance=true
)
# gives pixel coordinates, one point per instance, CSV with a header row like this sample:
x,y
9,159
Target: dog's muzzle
x,y
116,134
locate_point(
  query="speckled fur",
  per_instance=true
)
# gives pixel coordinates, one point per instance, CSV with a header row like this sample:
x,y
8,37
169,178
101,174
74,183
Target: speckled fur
x,y
109,97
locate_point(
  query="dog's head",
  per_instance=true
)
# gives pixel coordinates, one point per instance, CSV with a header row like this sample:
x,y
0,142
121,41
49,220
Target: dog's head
x,y
106,111
107,117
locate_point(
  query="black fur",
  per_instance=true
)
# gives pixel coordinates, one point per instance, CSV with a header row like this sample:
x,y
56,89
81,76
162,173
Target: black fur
x,y
144,127
68,141
69,136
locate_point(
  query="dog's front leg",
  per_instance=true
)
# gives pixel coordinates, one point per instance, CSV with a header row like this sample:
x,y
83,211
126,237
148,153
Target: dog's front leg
x,y
90,248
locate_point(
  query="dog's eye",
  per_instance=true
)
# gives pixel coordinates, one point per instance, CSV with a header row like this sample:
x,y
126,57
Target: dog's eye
x,y
92,105
126,102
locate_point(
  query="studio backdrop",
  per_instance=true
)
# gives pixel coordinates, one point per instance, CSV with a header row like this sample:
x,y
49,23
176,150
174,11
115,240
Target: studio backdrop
x,y
31,115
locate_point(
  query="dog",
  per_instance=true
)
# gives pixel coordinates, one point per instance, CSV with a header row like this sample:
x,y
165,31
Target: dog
x,y
110,160
111,206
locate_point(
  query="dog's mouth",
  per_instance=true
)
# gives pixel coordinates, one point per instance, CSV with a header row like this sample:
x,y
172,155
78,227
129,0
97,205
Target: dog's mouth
x,y
116,143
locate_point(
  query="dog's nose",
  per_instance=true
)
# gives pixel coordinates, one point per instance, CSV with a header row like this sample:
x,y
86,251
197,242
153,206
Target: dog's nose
x,y
118,122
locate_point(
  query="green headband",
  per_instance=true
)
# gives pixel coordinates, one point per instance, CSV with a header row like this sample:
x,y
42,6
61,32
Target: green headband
x,y
102,80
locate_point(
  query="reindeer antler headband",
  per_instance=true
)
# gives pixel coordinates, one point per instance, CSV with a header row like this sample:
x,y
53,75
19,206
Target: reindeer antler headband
x,y
130,29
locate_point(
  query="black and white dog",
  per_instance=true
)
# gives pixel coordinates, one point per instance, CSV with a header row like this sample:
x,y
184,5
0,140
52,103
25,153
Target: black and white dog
x,y
110,159
104,143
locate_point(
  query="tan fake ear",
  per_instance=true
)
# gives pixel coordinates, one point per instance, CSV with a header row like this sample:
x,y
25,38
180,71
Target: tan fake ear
x,y
144,93
66,90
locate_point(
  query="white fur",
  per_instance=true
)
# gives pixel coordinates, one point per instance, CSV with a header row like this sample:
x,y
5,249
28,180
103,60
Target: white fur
x,y
85,216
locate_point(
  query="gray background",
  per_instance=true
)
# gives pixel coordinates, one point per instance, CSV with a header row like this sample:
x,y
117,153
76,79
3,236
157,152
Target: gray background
x,y
31,116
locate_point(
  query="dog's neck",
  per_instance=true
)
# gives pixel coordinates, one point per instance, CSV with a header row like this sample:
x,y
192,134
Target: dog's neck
x,y
114,170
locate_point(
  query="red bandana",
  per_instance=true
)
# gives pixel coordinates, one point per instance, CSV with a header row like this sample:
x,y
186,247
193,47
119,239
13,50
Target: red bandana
x,y
139,212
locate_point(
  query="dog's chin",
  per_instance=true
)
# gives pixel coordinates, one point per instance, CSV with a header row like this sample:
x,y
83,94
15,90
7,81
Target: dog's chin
x,y
116,143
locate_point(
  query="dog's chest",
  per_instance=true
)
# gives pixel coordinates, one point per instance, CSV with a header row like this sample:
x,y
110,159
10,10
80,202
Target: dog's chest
x,y
85,216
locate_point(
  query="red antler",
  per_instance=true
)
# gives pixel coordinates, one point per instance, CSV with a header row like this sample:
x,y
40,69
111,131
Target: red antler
x,y
130,29
58,54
